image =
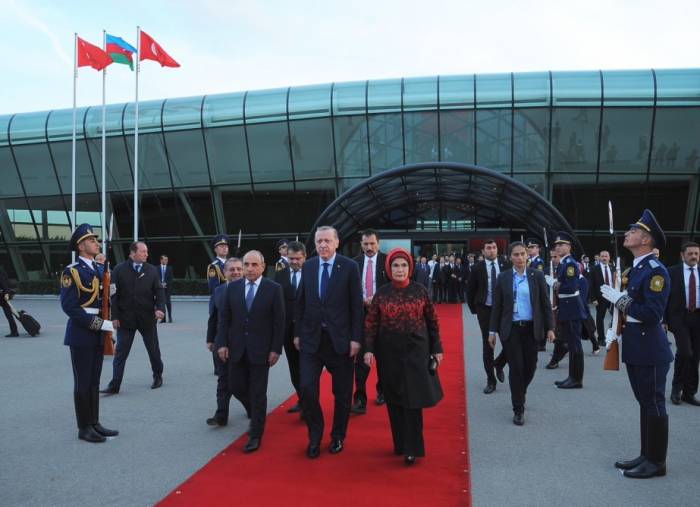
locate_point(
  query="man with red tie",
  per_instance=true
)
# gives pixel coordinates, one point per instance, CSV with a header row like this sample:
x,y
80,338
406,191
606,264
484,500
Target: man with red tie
x,y
601,274
373,272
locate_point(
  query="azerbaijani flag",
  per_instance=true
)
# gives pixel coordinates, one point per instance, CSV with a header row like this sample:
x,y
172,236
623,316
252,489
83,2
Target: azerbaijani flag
x,y
120,51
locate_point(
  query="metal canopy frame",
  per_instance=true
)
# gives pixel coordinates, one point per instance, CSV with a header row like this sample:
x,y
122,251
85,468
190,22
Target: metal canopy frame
x,y
387,198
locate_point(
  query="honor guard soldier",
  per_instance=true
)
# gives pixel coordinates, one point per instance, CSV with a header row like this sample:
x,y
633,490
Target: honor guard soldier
x,y
282,262
81,301
534,260
570,309
645,347
215,270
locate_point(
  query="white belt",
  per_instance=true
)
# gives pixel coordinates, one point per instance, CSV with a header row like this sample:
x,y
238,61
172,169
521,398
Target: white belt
x,y
565,296
92,311
632,320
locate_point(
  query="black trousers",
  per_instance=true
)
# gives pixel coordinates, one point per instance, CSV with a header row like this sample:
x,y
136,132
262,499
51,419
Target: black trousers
x,y
168,305
87,368
601,310
248,383
223,393
521,349
406,430
292,359
8,315
685,368
361,375
340,366
125,339
483,315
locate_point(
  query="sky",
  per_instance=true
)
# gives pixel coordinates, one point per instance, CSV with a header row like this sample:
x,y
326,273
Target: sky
x,y
229,46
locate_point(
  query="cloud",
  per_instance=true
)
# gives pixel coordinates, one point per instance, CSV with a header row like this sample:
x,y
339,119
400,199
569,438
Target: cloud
x,y
39,25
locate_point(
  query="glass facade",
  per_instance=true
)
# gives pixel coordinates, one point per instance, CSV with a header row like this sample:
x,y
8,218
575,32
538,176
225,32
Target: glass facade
x,y
269,162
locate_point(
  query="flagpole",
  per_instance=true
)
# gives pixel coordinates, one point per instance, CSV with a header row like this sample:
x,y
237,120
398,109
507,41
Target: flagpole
x,y
104,154
136,137
72,188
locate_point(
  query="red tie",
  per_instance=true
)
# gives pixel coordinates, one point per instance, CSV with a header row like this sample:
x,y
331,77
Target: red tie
x,y
369,280
692,291
607,278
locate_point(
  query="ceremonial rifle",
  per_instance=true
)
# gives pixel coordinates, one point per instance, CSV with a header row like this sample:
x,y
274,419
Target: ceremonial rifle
x,y
106,283
551,273
612,357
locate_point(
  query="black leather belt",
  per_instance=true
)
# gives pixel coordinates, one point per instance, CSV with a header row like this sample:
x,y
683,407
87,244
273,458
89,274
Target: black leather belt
x,y
522,323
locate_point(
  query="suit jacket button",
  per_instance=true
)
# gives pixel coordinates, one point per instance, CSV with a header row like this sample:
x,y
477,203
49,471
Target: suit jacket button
x,y
643,333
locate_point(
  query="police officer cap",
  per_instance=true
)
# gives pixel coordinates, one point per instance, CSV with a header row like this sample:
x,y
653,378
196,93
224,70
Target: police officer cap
x,y
649,224
82,232
532,242
220,239
563,237
281,243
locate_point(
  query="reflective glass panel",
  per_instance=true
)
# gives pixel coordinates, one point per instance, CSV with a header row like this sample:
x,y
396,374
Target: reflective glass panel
x,y
531,89
624,143
384,96
494,91
456,92
351,145
349,98
266,106
493,138
386,144
182,113
63,155
576,88
118,162
93,120
312,148
149,117
10,181
223,109
36,169
421,137
530,140
269,151
186,153
309,101
29,128
228,158
575,139
678,87
628,88
419,94
60,124
153,165
457,136
676,140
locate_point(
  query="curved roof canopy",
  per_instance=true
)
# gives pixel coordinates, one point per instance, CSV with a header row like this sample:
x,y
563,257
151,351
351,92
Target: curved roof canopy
x,y
400,195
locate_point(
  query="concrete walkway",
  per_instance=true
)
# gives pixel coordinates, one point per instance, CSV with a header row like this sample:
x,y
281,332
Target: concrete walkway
x,y
562,456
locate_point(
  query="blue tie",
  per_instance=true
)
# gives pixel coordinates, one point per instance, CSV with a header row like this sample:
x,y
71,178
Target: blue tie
x,y
251,294
137,267
325,278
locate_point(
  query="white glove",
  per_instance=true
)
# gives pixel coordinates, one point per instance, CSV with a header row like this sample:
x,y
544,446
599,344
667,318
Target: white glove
x,y
612,295
610,337
107,326
550,280
112,289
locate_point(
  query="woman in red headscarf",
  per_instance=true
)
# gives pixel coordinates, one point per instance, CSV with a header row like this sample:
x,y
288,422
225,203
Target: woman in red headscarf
x,y
401,329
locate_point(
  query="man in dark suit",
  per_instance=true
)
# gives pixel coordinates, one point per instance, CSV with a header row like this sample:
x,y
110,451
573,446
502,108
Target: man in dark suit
x,y
233,270
136,305
461,270
250,337
451,273
521,313
166,280
373,271
328,327
422,274
4,298
683,317
601,274
480,300
290,280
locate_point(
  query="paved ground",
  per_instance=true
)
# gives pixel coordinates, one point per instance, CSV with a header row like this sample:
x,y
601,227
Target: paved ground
x,y
562,456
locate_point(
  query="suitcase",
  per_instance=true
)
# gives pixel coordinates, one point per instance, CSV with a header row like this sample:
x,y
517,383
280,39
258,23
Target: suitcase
x,y
29,323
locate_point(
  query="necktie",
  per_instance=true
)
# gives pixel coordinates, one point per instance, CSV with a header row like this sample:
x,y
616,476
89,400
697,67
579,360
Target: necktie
x,y
162,273
369,279
94,266
692,291
325,278
250,295
294,281
607,277
493,276
137,267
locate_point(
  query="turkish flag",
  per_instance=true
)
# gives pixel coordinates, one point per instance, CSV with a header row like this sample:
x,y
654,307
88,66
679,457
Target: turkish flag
x,y
90,55
151,50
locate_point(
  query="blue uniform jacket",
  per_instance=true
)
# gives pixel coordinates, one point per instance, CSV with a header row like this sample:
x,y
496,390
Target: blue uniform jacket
x,y
645,342
537,263
569,308
215,275
80,289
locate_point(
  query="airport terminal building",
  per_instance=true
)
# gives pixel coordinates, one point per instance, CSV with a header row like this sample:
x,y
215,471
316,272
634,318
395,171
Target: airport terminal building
x,y
430,161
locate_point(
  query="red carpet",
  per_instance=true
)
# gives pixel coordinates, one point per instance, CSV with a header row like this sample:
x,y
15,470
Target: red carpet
x,y
366,472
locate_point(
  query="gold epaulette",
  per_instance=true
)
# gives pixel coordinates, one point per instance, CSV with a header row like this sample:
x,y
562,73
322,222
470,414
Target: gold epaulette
x,y
94,291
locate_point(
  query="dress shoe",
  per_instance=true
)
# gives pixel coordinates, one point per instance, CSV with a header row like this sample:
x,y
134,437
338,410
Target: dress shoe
x,y
489,388
410,460
294,409
336,446
252,445
646,470
552,365
690,400
215,421
358,408
12,335
676,397
380,399
105,432
630,464
500,375
157,382
570,384
90,435
595,352
518,419
170,321
560,382
110,390
313,451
